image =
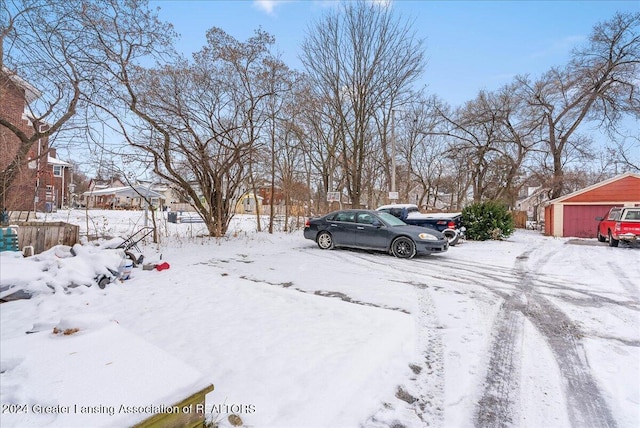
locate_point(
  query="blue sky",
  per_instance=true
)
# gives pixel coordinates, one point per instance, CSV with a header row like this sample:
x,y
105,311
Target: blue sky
x,y
470,45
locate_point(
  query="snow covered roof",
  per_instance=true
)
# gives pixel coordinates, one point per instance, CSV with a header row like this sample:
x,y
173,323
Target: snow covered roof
x,y
57,162
30,92
383,207
130,191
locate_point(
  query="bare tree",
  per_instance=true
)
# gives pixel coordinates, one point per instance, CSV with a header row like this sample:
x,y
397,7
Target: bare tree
x,y
625,155
424,152
492,139
200,122
70,50
317,133
359,58
42,51
290,148
519,137
277,80
599,84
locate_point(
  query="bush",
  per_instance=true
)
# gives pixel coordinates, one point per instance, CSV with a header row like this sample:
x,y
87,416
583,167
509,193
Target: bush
x,y
487,220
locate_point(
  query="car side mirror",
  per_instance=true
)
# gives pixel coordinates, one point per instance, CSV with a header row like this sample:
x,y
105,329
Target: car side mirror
x,y
599,218
376,223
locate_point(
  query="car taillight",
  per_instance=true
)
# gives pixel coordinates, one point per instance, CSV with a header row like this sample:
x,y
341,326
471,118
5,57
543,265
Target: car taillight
x,y
451,225
307,223
617,226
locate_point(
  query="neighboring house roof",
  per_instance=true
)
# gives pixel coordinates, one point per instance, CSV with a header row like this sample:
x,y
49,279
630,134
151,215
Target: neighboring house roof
x,y
31,93
631,196
57,162
130,191
250,196
534,196
103,184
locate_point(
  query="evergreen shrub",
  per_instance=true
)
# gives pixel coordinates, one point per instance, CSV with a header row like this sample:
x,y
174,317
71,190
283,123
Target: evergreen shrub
x,y
487,220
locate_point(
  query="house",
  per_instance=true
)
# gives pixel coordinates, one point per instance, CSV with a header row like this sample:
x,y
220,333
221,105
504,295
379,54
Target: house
x,y
119,196
169,198
247,204
57,192
42,183
532,203
95,197
575,214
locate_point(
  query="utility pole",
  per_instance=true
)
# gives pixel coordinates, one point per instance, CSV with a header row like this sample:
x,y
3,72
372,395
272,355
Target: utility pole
x,y
393,151
393,195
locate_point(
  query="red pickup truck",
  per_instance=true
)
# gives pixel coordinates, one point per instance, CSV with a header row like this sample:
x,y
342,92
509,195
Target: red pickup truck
x,y
621,224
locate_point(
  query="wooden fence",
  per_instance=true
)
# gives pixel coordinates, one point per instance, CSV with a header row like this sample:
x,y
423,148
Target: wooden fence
x,y
520,219
43,236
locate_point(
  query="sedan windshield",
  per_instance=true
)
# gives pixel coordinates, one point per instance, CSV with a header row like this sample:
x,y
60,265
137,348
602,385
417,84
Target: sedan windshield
x,y
390,219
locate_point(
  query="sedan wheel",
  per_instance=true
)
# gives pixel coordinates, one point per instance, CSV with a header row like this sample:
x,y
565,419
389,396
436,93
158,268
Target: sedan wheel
x,y
325,241
403,248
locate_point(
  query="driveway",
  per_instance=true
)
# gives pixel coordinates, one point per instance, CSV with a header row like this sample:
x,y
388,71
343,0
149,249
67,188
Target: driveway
x,y
555,326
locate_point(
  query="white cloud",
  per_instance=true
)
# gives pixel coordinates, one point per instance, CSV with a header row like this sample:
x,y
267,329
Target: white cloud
x,y
268,6
265,5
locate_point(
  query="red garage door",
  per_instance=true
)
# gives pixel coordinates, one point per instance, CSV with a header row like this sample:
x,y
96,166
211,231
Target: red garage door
x,y
580,220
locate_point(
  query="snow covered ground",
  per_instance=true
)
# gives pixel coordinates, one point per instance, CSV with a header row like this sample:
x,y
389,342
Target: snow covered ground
x,y
532,331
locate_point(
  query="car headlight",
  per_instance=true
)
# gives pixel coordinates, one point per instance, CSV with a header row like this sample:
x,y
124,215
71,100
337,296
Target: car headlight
x,y
427,237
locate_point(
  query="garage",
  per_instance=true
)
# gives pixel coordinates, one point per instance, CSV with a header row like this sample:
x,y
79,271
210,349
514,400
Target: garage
x,y
573,215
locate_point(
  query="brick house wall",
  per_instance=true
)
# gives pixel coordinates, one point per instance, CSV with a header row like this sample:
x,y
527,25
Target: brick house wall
x,y
36,186
56,183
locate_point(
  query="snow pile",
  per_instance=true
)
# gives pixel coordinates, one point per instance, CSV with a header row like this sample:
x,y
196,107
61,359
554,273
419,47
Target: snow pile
x,y
59,269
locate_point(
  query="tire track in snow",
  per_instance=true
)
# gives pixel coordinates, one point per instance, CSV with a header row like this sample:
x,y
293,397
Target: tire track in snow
x,y
500,400
586,405
496,408
499,403
424,395
430,382
629,286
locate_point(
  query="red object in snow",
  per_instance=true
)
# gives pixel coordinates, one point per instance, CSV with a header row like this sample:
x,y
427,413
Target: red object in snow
x,y
163,266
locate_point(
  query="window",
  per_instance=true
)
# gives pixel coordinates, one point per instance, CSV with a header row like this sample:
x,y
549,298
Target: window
x,y
614,214
365,218
632,215
391,220
57,171
346,216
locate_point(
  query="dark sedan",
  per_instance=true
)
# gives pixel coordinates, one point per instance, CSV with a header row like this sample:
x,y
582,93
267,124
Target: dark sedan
x,y
373,230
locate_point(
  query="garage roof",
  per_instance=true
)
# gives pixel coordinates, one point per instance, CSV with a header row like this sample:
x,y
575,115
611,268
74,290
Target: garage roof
x,y
629,192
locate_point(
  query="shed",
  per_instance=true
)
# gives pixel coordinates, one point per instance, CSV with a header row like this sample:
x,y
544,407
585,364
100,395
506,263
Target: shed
x,y
575,214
